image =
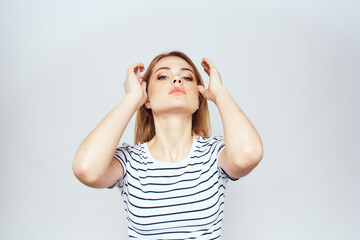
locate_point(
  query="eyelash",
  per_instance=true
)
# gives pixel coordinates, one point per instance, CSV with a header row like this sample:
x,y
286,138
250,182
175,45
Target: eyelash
x,y
160,77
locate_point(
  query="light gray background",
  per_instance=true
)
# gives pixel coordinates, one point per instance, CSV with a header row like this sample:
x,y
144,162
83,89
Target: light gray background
x,y
292,66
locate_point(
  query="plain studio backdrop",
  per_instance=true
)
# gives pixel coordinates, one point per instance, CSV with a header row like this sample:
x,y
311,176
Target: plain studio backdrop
x,y
292,67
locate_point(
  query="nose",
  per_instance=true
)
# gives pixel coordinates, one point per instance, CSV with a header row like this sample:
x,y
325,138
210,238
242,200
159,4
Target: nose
x,y
176,80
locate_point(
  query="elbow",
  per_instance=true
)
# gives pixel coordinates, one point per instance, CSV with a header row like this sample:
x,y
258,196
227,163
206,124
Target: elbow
x,y
246,163
83,173
254,158
254,155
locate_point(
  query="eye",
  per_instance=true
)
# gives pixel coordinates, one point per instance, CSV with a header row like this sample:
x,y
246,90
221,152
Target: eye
x,y
188,78
161,77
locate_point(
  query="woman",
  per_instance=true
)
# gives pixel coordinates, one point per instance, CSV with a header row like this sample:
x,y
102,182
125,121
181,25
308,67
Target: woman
x,y
173,179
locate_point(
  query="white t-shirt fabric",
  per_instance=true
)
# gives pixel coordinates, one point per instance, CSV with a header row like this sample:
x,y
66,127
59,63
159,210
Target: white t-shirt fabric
x,y
181,200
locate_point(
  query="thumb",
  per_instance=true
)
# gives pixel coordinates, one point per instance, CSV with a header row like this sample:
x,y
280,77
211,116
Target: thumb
x,y
143,85
203,91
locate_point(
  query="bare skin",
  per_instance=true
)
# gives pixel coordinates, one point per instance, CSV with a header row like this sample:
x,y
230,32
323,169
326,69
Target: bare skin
x,y
172,112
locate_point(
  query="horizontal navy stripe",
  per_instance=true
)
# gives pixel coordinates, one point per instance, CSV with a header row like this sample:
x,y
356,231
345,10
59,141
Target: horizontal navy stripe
x,y
173,201
171,232
178,204
174,213
183,220
175,189
165,184
180,196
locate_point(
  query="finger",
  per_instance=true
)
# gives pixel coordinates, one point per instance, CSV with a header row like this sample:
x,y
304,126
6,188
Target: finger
x,y
138,69
206,66
211,66
142,68
143,85
139,66
134,67
207,70
210,63
142,76
204,63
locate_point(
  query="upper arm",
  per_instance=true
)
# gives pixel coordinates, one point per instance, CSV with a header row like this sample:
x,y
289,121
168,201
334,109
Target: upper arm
x,y
232,168
114,172
226,166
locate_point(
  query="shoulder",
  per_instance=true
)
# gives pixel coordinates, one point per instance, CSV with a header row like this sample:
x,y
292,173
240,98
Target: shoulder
x,y
217,139
127,146
211,145
126,149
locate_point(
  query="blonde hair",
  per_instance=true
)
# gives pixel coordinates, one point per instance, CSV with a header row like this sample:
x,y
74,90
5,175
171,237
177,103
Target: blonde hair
x,y
144,123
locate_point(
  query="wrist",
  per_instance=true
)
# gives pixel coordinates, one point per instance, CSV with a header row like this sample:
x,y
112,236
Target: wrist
x,y
219,92
134,100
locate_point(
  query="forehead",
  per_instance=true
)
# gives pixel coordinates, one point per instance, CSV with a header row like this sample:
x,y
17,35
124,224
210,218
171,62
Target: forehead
x,y
172,62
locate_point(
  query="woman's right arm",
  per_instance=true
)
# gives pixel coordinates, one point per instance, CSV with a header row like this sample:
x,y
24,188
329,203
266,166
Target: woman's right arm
x,y
93,162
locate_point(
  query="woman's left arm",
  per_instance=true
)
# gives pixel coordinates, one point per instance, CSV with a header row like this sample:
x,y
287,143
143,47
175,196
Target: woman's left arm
x,y
243,147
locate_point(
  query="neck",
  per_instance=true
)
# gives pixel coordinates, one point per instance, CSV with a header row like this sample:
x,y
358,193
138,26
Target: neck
x,y
173,139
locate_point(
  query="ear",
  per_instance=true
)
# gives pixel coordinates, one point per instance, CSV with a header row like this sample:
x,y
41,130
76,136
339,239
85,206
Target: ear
x,y
147,104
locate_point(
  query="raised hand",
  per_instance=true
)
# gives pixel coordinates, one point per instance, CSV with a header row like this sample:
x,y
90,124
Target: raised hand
x,y
214,80
132,84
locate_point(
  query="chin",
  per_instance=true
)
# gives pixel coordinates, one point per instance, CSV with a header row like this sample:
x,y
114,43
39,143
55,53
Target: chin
x,y
176,109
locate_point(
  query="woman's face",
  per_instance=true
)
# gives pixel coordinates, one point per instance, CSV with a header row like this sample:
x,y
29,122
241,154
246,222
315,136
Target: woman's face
x,y
169,73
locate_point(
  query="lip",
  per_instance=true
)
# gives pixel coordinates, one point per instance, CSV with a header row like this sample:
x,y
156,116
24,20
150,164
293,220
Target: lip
x,y
177,90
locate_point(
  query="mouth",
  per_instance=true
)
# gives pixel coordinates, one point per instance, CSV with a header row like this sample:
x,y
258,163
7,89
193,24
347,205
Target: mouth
x,y
177,92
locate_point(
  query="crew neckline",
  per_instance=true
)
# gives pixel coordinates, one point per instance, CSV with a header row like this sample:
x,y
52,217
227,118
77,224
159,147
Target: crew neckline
x,y
184,160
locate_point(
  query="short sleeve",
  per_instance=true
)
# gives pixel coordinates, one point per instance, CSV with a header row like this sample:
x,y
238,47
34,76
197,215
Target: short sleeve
x,y
220,141
120,155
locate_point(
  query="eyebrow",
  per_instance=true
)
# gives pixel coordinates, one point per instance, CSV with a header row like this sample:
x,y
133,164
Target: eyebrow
x,y
182,69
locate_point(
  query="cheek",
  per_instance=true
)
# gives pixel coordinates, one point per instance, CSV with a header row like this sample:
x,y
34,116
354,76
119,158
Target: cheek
x,y
195,90
155,89
195,94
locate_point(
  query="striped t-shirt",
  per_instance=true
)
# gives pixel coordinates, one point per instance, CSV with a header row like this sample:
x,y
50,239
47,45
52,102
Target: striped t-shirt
x,y
181,200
